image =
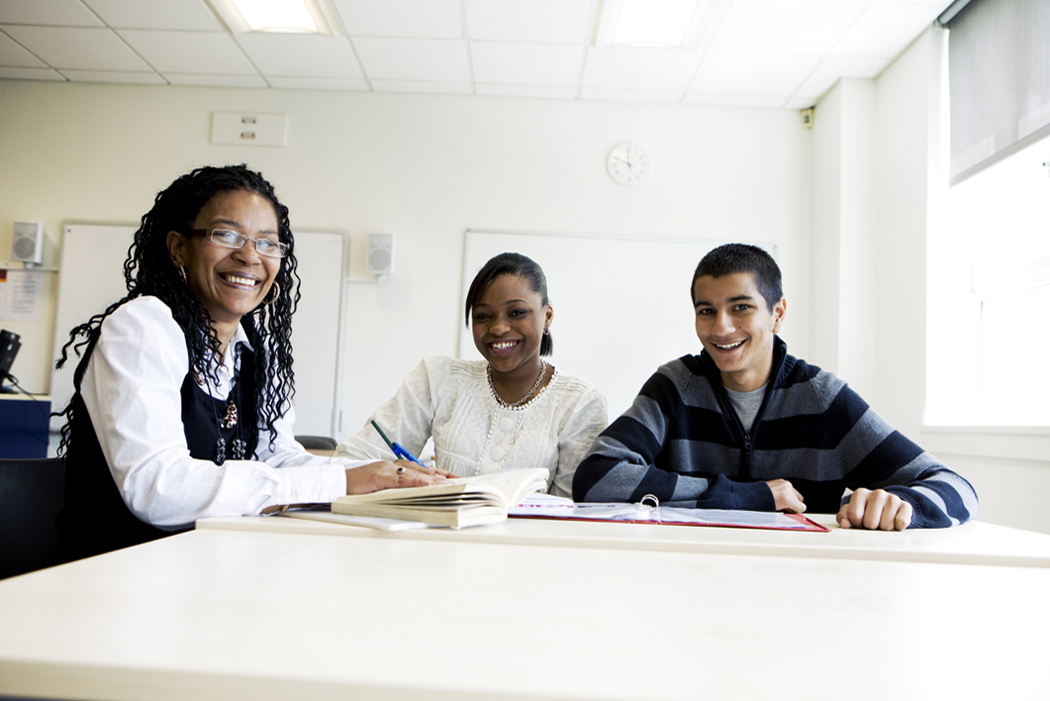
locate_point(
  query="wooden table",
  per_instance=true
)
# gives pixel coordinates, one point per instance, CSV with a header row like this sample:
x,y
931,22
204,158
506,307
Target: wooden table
x,y
223,613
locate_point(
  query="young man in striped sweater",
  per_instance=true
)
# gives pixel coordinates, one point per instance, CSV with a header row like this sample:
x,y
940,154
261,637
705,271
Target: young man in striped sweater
x,y
744,425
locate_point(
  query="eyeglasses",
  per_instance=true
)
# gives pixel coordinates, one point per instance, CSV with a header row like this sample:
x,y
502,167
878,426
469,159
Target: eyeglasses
x,y
235,239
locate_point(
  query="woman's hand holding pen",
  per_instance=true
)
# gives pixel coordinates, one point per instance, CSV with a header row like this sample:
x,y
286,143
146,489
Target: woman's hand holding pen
x,y
387,475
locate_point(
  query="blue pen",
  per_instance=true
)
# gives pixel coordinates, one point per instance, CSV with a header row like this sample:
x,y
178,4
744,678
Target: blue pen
x,y
398,450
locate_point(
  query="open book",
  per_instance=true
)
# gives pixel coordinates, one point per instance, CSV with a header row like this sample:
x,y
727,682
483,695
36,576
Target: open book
x,y
467,501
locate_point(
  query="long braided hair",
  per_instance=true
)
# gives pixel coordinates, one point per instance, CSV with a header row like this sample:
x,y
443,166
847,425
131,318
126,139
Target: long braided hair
x,y
149,270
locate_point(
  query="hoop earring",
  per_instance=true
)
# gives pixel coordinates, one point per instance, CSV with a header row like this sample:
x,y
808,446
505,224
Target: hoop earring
x,y
182,273
276,292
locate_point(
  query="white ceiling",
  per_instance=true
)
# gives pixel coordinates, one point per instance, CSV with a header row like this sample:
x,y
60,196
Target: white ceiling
x,y
765,53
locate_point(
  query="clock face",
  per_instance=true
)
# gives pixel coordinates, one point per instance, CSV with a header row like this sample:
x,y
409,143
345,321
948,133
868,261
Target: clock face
x,y
628,164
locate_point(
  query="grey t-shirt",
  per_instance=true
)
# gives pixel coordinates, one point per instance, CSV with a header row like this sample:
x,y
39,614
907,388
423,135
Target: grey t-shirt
x,y
747,404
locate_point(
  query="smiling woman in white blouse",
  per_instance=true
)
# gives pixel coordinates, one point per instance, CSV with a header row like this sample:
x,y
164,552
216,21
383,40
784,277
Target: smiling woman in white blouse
x,y
182,404
511,410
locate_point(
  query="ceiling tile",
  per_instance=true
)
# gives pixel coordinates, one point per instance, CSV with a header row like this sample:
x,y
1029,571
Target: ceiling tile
x,y
734,100
68,13
537,21
630,95
527,64
832,68
225,81
188,15
11,54
427,60
80,48
356,84
301,55
16,73
633,68
421,19
419,86
78,76
765,75
809,27
800,103
884,31
189,52
526,91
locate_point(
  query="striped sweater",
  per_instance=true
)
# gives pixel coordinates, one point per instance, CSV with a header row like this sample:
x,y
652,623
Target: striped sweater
x,y
682,442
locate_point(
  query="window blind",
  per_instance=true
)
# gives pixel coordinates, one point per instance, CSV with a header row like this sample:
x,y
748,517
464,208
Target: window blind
x,y
999,77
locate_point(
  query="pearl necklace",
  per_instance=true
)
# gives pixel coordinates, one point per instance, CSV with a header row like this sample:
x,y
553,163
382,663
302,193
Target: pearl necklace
x,y
521,402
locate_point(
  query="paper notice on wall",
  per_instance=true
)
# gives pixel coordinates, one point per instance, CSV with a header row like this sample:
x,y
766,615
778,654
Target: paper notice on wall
x,y
20,294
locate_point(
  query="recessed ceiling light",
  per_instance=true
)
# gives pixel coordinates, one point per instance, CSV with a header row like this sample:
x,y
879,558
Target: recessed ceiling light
x,y
688,24
653,22
289,16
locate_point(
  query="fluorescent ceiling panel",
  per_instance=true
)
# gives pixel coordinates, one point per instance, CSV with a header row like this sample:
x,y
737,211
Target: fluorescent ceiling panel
x,y
624,68
300,55
808,27
536,21
527,64
186,15
441,60
189,52
69,13
422,19
80,48
653,22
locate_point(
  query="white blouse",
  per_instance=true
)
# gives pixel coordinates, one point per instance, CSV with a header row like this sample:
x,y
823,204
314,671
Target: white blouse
x,y
450,400
131,389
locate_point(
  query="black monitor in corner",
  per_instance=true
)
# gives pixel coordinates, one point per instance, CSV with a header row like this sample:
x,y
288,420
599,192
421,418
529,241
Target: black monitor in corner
x,y
9,345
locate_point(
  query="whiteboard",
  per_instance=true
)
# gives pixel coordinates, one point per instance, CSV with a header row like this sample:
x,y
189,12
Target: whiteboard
x,y
622,305
91,276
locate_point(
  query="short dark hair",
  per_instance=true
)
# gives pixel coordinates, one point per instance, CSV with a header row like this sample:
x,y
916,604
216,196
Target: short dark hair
x,y
732,258
511,264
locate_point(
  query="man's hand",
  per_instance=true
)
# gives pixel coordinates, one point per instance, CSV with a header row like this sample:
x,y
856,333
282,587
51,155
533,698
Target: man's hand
x,y
875,509
786,497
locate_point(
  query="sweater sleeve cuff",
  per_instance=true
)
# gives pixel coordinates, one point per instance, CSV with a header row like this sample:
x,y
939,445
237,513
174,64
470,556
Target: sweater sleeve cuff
x,y
753,496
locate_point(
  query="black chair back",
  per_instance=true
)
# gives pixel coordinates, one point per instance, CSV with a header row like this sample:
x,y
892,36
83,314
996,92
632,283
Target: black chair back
x,y
31,495
317,442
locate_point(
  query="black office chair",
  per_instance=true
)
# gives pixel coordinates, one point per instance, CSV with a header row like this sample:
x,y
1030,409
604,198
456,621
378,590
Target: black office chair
x,y
317,442
31,495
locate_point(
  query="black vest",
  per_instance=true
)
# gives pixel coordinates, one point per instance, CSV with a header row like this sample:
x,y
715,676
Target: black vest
x,y
95,519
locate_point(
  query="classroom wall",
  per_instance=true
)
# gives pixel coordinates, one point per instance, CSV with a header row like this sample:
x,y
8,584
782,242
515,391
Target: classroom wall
x,y
426,167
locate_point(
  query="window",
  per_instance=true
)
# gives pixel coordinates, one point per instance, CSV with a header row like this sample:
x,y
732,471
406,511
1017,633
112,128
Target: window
x,y
988,348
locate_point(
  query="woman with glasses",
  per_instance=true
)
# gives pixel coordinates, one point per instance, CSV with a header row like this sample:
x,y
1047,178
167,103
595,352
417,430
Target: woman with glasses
x,y
182,406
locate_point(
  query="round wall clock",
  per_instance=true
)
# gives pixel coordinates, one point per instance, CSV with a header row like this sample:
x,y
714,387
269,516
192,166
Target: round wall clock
x,y
628,164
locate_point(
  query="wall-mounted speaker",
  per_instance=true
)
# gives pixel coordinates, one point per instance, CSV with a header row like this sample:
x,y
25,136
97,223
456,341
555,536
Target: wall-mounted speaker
x,y
380,257
27,242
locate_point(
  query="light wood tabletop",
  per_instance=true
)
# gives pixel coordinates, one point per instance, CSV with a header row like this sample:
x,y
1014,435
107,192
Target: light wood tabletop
x,y
252,614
